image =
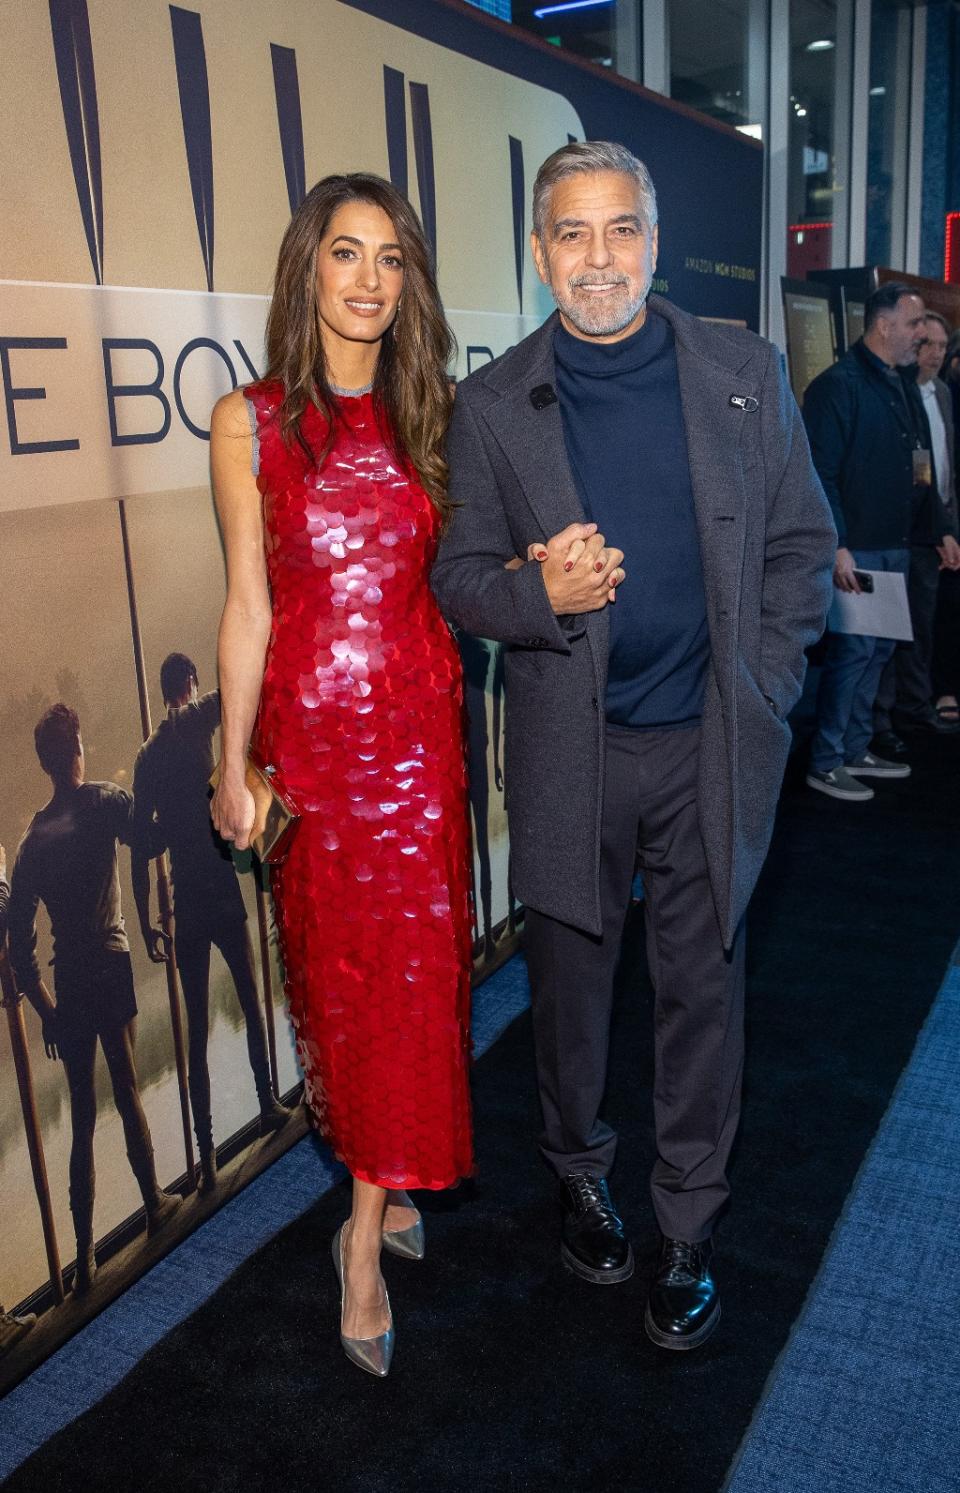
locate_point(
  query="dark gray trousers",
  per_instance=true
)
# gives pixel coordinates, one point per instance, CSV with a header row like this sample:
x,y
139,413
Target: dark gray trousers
x,y
905,686
649,817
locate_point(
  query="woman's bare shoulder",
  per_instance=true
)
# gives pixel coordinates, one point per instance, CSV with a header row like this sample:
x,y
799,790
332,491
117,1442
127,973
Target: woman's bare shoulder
x,y
230,415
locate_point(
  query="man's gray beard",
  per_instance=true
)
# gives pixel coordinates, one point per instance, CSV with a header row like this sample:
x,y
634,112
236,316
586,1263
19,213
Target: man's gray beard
x,y
601,319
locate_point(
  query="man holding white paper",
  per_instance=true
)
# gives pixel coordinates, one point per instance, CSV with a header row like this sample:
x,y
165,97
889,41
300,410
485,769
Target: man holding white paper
x,y
870,444
880,608
905,697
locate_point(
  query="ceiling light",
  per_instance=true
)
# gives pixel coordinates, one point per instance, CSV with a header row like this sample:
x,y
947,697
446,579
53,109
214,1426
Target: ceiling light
x,y
801,113
554,10
824,44
878,92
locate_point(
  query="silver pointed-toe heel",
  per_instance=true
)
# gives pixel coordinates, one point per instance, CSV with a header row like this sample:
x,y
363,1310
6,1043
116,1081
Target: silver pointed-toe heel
x,y
409,1243
371,1353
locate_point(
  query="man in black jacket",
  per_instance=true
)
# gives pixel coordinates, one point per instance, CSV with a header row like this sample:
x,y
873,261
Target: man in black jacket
x,y
945,668
870,443
904,699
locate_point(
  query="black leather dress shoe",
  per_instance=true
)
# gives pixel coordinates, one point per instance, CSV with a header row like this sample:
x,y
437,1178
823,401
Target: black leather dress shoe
x,y
593,1244
683,1307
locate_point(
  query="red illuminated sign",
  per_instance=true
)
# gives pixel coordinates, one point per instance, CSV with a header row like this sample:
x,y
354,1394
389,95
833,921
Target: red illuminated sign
x,y
951,258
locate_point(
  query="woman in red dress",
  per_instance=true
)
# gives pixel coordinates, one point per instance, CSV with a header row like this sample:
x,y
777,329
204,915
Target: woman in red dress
x,y
330,485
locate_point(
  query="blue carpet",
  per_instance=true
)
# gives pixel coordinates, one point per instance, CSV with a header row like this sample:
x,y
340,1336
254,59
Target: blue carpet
x,y
865,1396
102,1353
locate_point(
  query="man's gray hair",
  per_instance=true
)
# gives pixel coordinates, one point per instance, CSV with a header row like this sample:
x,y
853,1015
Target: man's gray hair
x,y
591,155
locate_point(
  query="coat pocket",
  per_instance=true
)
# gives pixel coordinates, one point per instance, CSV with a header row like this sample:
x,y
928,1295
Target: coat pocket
x,y
523,662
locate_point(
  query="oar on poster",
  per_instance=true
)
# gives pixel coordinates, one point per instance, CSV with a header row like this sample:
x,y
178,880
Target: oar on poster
x,y
163,879
270,1014
13,1005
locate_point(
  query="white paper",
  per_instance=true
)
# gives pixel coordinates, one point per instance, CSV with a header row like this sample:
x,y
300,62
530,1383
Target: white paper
x,y
883,612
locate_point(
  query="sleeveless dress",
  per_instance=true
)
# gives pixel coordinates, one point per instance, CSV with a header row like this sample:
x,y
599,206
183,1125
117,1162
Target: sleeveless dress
x,y
361,713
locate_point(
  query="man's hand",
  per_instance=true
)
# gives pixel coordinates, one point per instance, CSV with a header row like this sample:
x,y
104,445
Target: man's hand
x,y
43,1003
3,864
949,551
50,1037
843,576
157,943
580,572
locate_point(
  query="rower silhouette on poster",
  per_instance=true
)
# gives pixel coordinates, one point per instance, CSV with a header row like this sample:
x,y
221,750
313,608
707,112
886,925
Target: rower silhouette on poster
x,y
67,860
172,812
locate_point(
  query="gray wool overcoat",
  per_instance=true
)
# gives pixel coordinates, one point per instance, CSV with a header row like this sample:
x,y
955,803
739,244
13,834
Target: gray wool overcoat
x,y
767,542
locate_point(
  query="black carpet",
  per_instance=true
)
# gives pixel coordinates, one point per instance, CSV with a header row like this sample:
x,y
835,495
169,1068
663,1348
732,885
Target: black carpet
x,y
510,1373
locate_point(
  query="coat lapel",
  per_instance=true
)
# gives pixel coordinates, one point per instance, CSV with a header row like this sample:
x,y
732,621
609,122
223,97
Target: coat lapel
x,y
532,439
714,430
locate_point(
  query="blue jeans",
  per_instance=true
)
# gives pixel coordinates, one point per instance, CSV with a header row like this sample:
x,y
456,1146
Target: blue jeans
x,y
850,680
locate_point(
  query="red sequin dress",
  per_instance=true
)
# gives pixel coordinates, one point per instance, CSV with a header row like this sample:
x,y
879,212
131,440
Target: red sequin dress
x,y
361,713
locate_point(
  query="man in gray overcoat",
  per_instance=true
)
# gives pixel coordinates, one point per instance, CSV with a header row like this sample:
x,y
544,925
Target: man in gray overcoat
x,y
653,473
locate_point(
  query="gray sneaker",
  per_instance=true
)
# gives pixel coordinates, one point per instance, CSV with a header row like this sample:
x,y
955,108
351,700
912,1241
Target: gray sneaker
x,y
839,784
871,766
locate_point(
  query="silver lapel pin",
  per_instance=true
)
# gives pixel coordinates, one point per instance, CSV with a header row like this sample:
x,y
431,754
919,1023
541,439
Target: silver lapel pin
x,y
745,402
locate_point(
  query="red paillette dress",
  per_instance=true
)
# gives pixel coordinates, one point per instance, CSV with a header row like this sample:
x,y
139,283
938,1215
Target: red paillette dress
x,y
361,713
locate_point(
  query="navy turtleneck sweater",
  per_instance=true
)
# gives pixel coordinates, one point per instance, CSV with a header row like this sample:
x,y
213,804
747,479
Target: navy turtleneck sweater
x,y
627,445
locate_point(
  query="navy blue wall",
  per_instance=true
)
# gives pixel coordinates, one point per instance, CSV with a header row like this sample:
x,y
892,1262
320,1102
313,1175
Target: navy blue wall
x,y
941,135
708,178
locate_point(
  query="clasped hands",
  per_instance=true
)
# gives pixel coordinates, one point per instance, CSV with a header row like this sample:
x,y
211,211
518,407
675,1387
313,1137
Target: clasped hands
x,y
581,572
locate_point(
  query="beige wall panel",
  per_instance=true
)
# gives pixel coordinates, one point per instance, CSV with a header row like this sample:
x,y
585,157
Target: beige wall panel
x,y
150,235
41,235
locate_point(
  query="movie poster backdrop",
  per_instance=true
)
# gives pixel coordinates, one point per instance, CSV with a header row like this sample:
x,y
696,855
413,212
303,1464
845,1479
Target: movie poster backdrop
x,y
152,154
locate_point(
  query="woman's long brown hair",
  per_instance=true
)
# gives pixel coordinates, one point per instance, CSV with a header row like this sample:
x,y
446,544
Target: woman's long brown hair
x,y
411,388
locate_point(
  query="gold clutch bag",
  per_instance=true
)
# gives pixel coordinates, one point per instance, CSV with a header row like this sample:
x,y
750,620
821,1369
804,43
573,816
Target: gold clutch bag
x,y
275,819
